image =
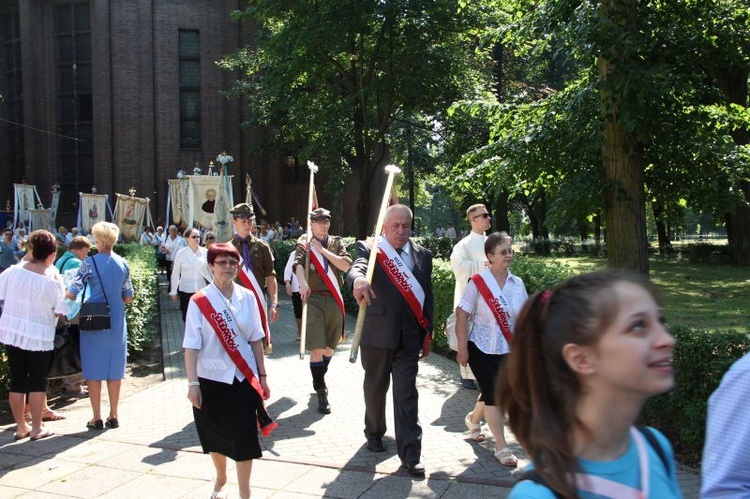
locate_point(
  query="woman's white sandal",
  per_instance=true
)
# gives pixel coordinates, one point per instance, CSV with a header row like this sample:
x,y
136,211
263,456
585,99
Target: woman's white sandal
x,y
475,429
506,457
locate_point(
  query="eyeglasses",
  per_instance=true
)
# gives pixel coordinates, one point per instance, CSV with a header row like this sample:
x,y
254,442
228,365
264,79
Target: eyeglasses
x,y
210,238
226,263
195,237
504,252
481,215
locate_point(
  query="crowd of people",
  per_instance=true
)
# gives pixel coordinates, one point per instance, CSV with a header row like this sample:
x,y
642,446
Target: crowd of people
x,y
569,368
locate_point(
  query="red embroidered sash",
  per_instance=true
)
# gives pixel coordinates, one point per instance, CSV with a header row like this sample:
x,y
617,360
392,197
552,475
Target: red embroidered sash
x,y
501,316
247,278
227,336
404,280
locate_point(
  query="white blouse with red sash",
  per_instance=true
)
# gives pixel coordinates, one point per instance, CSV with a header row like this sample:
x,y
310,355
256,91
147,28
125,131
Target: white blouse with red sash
x,y
485,331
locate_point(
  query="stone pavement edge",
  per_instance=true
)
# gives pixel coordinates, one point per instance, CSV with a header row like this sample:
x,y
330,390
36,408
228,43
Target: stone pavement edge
x,y
156,450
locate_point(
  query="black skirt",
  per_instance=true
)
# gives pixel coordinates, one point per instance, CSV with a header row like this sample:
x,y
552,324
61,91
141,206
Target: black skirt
x,y
227,421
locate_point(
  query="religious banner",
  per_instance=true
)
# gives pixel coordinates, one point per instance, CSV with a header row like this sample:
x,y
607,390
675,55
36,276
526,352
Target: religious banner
x,y
129,214
92,209
25,195
202,193
54,205
41,219
180,197
222,226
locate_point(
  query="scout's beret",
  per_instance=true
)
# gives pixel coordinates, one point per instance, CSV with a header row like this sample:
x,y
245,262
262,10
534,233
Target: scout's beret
x,y
320,213
242,210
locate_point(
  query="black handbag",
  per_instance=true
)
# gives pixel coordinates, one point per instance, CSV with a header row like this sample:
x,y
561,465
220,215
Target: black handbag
x,y
66,357
94,316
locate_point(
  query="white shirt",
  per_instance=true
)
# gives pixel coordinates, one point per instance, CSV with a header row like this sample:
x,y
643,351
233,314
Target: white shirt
x,y
213,361
485,331
148,239
289,275
172,246
189,271
468,258
29,324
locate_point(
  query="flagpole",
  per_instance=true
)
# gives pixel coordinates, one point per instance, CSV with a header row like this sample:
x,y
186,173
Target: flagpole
x,y
303,328
392,171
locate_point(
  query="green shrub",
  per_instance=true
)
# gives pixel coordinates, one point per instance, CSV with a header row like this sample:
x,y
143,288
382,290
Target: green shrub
x,y
441,247
700,360
705,253
142,313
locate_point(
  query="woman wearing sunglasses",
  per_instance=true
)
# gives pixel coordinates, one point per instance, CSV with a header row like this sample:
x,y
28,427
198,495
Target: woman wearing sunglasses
x,y
189,271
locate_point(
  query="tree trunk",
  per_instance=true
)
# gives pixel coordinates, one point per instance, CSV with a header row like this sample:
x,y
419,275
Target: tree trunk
x,y
733,83
661,227
502,221
622,159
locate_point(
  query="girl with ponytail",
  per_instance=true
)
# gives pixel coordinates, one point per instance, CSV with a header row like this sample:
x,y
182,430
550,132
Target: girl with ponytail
x,y
585,357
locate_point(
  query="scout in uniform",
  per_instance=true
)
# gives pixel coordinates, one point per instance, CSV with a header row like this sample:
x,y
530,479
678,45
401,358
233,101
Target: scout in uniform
x,y
320,287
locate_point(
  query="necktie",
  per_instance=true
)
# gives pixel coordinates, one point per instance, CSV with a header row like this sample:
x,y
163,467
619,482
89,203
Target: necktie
x,y
245,243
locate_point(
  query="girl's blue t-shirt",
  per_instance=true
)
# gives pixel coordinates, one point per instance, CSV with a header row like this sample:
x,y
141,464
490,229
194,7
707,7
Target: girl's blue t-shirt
x,y
625,470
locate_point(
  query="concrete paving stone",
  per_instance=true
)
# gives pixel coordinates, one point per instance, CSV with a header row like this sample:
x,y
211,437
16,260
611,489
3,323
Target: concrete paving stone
x,y
35,494
397,487
92,451
89,481
137,458
43,471
191,465
11,492
144,486
331,482
458,490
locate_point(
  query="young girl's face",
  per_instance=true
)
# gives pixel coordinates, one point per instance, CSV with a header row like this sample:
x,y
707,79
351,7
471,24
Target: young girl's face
x,y
634,355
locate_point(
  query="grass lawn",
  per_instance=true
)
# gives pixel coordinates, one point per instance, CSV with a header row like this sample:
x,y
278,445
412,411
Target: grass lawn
x,y
701,296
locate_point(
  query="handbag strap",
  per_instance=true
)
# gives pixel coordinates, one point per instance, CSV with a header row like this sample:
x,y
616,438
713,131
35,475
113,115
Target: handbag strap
x,y
101,283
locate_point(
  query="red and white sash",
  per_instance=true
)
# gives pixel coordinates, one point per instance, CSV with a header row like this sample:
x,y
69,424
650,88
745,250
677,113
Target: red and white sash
x,y
247,278
329,277
497,303
235,344
403,278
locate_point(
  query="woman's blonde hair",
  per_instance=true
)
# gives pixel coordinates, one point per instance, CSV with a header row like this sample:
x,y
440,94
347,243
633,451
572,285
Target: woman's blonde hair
x,y
106,234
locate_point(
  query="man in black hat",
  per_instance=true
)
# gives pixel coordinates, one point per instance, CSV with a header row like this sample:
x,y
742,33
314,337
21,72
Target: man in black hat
x,y
321,288
257,261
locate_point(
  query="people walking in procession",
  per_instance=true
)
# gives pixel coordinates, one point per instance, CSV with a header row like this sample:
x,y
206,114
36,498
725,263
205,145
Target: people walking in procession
x,y
320,286
397,332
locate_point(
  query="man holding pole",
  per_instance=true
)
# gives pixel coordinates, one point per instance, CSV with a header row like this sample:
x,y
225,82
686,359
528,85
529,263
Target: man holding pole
x,y
320,286
396,332
256,271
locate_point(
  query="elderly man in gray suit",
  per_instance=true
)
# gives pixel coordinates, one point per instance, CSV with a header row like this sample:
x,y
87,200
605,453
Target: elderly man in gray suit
x,y
396,334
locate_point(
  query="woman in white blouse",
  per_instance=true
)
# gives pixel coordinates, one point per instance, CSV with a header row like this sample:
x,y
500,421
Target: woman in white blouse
x,y
484,346
31,303
189,271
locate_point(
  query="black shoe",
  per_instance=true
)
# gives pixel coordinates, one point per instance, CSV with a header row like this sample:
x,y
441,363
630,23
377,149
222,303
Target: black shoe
x,y
375,445
112,423
95,424
323,406
416,469
469,384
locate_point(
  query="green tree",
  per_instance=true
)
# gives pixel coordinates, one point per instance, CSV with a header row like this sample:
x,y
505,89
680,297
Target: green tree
x,y
329,77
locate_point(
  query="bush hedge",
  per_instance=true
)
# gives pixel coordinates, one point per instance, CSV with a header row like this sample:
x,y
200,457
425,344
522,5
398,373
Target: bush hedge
x,y
140,315
701,358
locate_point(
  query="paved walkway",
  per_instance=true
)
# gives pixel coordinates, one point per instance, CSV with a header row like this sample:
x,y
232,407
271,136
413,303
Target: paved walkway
x,y
156,452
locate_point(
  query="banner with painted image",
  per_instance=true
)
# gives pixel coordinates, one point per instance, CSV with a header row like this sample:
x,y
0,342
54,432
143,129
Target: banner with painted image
x,y
25,196
203,191
129,215
53,206
92,209
222,226
180,200
41,219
